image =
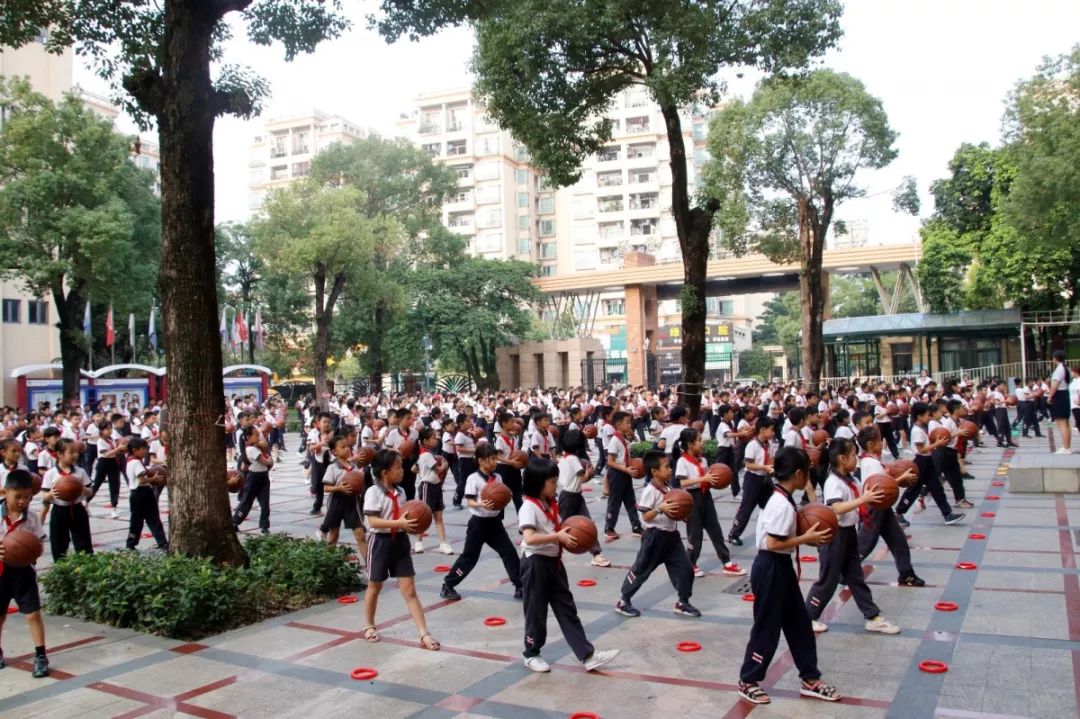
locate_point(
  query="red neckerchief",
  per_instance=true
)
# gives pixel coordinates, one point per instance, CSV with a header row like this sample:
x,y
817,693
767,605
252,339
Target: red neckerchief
x,y
551,512
696,461
626,447
396,513
764,450
864,510
425,450
509,443
546,451
798,563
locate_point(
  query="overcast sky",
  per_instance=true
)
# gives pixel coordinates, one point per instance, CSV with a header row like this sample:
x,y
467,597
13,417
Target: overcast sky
x,y
942,68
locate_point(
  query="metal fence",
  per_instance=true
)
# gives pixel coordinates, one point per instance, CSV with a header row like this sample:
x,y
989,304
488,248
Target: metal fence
x,y
1007,371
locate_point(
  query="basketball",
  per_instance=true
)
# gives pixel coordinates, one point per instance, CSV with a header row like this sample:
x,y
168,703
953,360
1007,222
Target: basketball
x,y
698,426
378,424
968,429
939,434
554,429
497,493
584,532
816,513
815,456
903,407
720,475
354,481
824,416
589,431
36,478
899,467
407,449
977,404
80,447
21,548
441,467
157,472
365,456
518,459
888,487
417,509
683,502
68,489
477,434
637,467
1010,401
745,433
819,437
891,409
234,479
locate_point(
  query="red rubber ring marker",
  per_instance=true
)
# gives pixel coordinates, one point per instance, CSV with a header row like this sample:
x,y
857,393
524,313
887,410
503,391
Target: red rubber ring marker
x,y
748,597
946,606
997,484
932,666
147,535
988,514
966,565
584,715
586,583
363,673
976,535
442,567
494,621
808,559
12,610
992,498
348,599
688,647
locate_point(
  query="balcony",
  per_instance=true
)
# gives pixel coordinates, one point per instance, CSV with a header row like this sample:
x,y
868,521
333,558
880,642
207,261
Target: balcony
x,y
455,126
276,152
429,128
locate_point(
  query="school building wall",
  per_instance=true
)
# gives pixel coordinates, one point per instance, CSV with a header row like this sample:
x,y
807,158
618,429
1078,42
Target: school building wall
x,y
551,363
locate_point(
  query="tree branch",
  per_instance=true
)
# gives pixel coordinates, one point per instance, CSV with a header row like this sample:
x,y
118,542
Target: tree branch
x,y
234,101
221,8
146,86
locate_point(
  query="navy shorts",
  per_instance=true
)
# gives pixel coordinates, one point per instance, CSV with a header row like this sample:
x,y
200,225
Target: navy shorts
x,y
343,509
389,556
432,496
20,584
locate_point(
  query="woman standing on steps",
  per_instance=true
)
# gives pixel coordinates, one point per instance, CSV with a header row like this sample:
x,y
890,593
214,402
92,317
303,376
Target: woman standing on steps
x,y
1059,401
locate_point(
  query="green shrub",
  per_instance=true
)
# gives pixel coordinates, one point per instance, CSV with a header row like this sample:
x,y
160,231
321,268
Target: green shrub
x,y
188,598
638,449
709,449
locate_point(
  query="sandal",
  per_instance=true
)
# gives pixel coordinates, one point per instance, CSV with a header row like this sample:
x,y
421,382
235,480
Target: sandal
x,y
819,690
370,634
429,642
753,693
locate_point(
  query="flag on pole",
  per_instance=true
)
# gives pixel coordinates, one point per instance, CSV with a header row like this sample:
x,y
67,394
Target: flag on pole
x,y
86,319
223,330
258,329
110,331
131,330
151,333
241,326
234,339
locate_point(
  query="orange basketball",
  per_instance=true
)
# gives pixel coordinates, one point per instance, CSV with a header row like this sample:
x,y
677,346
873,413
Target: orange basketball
x,y
584,532
80,446
36,478
21,548
407,449
819,437
68,489
898,468
745,433
417,509
354,480
968,429
441,467
497,493
683,502
939,434
1010,400
817,513
637,467
888,487
477,434
720,474
365,456
815,456
589,431
157,471
698,426
518,459
891,409
234,478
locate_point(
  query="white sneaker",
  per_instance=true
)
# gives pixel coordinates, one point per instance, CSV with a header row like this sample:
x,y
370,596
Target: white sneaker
x,y
418,547
599,658
320,535
446,548
1063,451
537,664
881,625
114,515
822,627
698,571
599,560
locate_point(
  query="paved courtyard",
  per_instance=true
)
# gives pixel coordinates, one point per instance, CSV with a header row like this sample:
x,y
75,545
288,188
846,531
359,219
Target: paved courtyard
x,y
1012,645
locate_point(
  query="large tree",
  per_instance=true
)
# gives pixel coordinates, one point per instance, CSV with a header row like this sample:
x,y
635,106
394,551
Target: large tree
x,y
550,70
77,218
782,163
160,52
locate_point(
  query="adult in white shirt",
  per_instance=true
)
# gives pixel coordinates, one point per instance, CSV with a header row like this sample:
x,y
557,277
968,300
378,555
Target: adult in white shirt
x,y
1058,401
1074,396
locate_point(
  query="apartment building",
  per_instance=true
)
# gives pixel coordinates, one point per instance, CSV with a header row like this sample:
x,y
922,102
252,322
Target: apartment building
x,y
283,151
622,202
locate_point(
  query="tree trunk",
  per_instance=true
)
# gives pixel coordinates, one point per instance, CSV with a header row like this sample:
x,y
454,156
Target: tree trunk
x,y
324,318
183,100
812,230
69,313
378,367
693,227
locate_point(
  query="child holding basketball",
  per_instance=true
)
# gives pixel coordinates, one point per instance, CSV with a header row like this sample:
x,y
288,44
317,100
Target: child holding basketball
x,y
143,500
543,576
756,483
343,507
929,478
20,583
430,486
485,527
257,481
840,557
388,550
778,603
70,522
660,545
620,483
572,472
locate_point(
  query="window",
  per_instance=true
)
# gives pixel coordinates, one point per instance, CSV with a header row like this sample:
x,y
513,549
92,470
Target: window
x,y
547,251
608,154
610,230
522,199
520,153
521,176
583,208
547,270
278,145
637,124
11,311
301,169
585,260
523,222
279,172
487,145
257,176
545,205
547,228
460,219
300,145
42,35
636,97
489,242
489,171
433,149
610,255
524,246
456,147
901,357
429,121
543,184
489,219
641,177
461,196
614,307
644,201
640,228
463,172
640,151
609,179
38,312
613,203
488,195
455,118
